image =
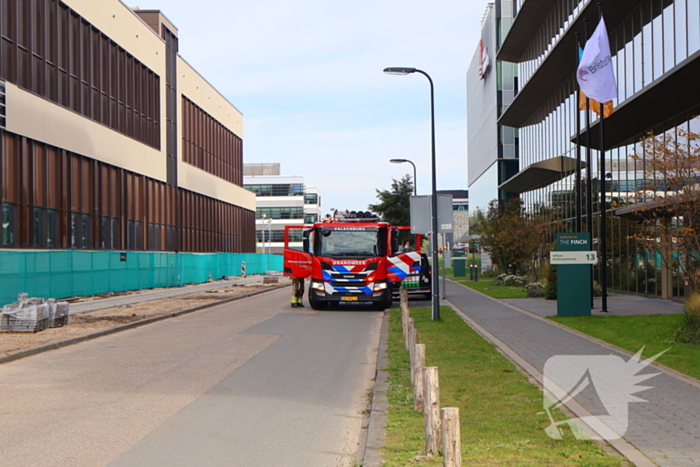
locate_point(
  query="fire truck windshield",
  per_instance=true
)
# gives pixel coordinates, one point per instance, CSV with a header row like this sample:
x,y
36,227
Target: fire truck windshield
x,y
351,242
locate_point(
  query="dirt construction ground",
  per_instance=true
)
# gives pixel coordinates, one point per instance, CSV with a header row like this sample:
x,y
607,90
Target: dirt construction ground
x,y
84,324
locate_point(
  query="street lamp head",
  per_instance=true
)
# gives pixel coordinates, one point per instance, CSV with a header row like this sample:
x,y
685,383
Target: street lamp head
x,y
398,70
398,161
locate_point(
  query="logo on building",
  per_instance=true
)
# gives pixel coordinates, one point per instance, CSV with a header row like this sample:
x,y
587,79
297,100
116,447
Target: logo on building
x,y
604,381
484,63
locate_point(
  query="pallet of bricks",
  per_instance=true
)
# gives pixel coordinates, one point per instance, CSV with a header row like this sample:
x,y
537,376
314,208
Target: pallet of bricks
x,y
33,314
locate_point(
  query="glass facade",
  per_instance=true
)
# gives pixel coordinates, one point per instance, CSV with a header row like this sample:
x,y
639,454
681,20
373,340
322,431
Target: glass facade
x,y
656,38
281,189
279,213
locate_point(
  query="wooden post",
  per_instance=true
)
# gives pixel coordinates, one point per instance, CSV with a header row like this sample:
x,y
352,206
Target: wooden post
x,y
451,441
405,314
417,372
431,409
410,343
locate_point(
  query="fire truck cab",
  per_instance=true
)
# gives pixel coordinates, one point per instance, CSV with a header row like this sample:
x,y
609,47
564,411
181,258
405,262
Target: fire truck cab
x,y
353,262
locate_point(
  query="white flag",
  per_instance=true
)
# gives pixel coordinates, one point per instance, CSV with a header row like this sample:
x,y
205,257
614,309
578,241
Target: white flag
x,y
595,70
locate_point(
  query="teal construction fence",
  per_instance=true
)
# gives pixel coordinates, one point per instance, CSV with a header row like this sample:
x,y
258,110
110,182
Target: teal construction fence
x,y
69,273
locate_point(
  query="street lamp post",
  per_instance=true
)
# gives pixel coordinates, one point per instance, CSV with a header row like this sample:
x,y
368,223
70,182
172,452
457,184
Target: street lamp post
x,y
434,233
263,233
269,236
415,184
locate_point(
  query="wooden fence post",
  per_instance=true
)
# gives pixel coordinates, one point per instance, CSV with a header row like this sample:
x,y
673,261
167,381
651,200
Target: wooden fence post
x,y
410,343
417,372
451,442
404,311
431,409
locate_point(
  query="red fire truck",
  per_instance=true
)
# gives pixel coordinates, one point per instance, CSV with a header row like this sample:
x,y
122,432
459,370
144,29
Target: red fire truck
x,y
350,262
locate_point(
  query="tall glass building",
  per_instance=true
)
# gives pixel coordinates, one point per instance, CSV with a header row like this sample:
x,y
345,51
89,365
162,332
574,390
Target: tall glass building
x,y
491,86
655,47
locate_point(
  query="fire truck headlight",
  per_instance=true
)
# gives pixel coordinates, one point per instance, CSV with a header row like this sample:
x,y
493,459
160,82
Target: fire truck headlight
x,y
318,286
379,286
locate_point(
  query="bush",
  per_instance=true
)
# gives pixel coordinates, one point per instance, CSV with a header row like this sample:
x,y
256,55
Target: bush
x,y
535,289
689,333
550,289
512,281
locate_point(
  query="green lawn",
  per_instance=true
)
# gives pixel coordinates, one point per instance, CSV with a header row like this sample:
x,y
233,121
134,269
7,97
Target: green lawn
x,y
501,423
486,286
653,332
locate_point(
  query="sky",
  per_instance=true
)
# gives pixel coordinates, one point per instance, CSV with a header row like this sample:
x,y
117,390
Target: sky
x,y
307,76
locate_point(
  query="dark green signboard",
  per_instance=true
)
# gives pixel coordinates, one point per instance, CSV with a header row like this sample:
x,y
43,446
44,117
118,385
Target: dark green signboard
x,y
573,280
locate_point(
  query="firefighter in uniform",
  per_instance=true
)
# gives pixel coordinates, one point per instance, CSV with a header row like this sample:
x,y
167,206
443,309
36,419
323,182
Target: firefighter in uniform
x,y
297,292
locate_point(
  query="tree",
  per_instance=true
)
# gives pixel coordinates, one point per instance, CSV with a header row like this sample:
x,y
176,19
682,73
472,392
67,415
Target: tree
x,y
394,205
513,238
668,200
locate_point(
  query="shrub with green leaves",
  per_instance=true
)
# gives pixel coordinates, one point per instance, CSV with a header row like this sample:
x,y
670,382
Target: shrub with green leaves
x,y
512,280
535,289
689,333
550,289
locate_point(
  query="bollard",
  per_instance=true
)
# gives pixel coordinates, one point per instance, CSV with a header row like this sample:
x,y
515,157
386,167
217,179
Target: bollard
x,y
451,442
417,373
410,343
431,409
405,314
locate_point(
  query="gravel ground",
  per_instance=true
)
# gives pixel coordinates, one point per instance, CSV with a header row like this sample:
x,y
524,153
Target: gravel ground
x,y
83,324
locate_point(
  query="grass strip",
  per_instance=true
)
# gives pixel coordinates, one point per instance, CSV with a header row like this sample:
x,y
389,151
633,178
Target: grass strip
x,y
486,287
500,410
653,332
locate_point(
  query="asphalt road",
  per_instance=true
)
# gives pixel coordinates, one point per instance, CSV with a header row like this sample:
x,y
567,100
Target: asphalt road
x,y
252,383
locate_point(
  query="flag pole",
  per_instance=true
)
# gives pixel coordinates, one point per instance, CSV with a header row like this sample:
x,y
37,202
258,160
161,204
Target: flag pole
x,y
578,144
603,231
589,166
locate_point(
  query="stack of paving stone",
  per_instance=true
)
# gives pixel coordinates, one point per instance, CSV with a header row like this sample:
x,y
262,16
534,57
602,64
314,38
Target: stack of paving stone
x,y
58,313
33,315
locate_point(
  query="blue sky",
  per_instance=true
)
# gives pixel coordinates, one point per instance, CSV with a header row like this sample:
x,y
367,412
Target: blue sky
x,y
307,75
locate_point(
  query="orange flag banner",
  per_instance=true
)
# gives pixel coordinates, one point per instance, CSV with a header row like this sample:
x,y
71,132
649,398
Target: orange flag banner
x,y
594,105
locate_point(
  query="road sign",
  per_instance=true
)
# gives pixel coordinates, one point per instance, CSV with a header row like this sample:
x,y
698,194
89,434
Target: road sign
x,y
573,257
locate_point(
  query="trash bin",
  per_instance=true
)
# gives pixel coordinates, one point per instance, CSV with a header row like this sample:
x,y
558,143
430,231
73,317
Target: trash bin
x,y
460,267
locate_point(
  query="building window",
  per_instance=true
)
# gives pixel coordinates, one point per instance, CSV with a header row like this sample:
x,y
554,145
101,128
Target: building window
x,y
51,228
311,198
310,218
8,224
280,213
278,189
86,232
75,228
38,224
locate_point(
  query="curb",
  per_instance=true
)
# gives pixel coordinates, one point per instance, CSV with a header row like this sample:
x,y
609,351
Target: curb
x,y
376,430
126,327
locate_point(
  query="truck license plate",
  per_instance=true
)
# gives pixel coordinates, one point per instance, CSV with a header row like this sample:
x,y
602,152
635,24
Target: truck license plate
x,y
349,299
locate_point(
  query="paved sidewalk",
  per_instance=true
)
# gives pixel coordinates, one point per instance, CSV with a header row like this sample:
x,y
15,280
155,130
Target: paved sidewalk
x,y
619,305
666,429
137,297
